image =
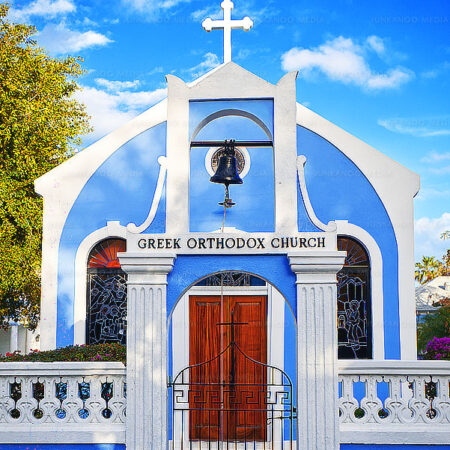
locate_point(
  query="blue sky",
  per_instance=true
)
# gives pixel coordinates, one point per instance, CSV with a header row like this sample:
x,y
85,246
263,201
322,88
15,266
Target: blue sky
x,y
378,69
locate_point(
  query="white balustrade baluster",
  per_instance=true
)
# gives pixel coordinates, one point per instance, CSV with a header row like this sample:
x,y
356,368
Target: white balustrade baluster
x,y
347,402
371,404
442,402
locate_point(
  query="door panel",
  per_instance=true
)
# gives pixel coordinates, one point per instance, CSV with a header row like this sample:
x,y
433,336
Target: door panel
x,y
227,395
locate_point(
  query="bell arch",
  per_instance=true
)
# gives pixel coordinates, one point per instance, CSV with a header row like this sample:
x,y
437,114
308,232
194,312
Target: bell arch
x,y
231,112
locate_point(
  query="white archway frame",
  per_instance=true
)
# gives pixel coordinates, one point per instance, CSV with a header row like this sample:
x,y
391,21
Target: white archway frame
x,y
112,230
376,282
235,113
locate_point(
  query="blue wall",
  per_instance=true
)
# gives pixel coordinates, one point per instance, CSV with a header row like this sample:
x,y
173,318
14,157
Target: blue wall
x,y
339,191
121,189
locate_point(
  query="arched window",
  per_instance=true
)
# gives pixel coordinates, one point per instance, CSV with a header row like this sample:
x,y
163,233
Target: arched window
x,y
354,302
106,294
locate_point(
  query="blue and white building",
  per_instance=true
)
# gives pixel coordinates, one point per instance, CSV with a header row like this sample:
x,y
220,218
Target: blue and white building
x,y
285,321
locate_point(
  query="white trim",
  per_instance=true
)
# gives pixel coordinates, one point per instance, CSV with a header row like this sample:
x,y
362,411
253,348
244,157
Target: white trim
x,y
112,229
14,338
301,161
231,81
131,227
395,435
376,281
396,186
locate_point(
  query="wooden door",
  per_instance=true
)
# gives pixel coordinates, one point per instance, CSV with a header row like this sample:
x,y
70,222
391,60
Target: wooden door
x,y
228,342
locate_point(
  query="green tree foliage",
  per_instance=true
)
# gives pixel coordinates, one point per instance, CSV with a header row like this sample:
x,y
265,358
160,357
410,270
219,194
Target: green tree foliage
x,y
40,125
435,325
428,269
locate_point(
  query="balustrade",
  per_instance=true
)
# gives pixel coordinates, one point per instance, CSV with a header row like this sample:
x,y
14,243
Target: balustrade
x,y
394,401
44,399
380,402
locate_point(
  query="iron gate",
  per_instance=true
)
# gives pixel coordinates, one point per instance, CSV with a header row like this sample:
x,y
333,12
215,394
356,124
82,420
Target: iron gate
x,y
232,402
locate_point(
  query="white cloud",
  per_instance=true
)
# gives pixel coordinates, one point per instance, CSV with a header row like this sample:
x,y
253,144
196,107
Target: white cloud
x,y
44,8
209,11
110,110
342,59
420,127
435,157
376,44
58,39
427,236
440,170
117,85
209,62
152,8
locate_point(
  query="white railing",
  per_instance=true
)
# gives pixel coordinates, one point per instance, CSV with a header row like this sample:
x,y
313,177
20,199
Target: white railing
x,y
393,402
70,402
381,402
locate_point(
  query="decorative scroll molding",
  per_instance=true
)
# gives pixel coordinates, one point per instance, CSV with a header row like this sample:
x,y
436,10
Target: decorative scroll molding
x,y
301,161
133,228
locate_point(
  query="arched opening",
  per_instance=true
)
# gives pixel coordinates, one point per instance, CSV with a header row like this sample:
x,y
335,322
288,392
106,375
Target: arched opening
x,y
232,113
232,363
354,306
106,294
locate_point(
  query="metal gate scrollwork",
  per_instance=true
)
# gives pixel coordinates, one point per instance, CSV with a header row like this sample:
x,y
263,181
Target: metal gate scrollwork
x,y
249,408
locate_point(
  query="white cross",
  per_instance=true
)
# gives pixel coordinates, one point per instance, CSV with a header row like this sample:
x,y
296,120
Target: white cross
x,y
227,24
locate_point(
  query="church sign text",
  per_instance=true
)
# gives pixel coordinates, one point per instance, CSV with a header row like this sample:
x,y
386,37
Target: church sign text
x,y
218,243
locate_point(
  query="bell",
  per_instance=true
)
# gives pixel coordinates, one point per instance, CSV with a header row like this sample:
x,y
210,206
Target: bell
x,y
226,172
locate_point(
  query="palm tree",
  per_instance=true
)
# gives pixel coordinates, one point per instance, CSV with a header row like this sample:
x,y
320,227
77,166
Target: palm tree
x,y
428,269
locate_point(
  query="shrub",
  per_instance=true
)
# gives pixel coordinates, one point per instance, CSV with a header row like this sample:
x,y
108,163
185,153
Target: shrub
x,y
100,352
438,348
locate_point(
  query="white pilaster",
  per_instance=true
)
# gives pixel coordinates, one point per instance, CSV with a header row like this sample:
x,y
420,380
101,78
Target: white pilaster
x,y
14,338
146,350
317,398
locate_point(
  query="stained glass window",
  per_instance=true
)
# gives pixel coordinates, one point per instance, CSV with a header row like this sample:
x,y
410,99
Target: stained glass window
x,y
107,294
354,302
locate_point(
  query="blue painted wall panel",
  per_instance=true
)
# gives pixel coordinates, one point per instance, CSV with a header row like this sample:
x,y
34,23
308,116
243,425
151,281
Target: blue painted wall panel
x,y
188,269
121,189
339,191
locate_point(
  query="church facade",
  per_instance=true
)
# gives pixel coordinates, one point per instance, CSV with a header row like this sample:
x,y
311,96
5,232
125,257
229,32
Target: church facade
x,y
313,265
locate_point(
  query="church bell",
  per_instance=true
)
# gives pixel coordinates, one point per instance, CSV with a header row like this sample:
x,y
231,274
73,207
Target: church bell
x,y
227,172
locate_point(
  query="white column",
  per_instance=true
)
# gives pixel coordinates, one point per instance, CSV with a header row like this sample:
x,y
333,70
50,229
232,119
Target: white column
x,y
146,350
14,338
317,382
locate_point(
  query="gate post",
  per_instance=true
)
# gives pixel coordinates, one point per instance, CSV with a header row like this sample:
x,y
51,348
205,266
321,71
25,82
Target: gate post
x,y
317,382
146,426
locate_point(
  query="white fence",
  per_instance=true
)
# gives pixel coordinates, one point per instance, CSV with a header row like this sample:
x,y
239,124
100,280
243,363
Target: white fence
x,y
394,402
390,402
65,402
